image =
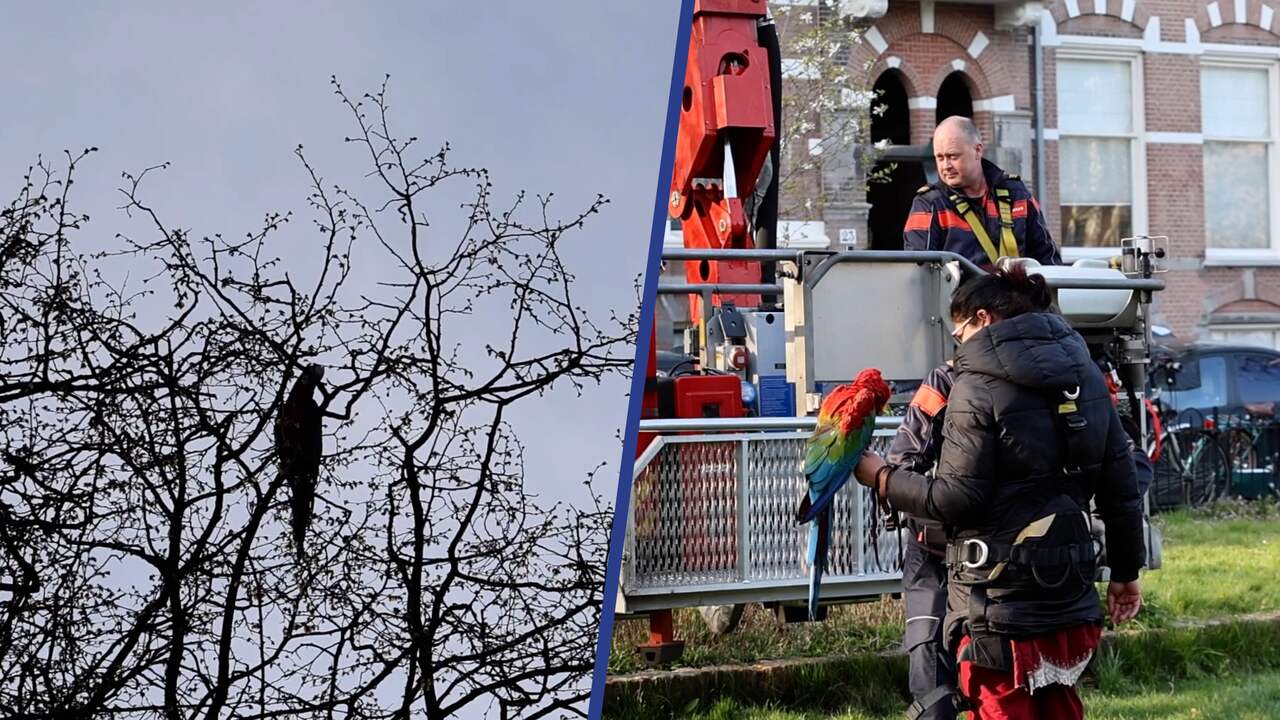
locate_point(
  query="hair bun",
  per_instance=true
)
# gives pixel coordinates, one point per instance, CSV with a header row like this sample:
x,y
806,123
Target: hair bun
x,y
1007,291
1032,286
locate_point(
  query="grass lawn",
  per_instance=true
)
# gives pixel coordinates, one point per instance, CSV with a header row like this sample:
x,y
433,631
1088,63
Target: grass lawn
x,y
1247,697
848,630
1243,697
1218,561
1144,674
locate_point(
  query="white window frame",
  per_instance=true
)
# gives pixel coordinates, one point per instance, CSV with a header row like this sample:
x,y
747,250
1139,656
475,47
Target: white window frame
x,y
1251,256
1271,327
1137,144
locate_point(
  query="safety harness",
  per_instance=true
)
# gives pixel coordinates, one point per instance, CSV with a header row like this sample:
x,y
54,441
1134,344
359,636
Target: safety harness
x,y
948,693
1008,244
981,563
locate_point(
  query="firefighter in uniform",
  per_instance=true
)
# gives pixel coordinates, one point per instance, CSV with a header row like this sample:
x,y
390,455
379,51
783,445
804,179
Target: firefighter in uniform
x,y
976,209
932,674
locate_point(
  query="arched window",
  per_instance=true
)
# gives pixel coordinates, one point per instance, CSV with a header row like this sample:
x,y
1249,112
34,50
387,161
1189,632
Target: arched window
x,y
954,97
894,124
890,197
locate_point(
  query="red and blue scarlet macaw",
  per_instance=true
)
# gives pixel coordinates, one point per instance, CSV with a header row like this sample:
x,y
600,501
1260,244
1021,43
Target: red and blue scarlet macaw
x,y
846,422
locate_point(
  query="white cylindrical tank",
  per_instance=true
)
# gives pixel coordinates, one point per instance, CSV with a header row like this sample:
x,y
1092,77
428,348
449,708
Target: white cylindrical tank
x,y
1087,305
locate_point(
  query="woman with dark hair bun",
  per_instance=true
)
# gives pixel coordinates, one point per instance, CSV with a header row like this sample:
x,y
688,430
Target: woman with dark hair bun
x,y
1007,292
1030,438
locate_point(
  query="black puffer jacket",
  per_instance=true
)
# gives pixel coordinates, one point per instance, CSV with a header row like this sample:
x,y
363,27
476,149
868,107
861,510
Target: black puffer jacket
x,y
1002,467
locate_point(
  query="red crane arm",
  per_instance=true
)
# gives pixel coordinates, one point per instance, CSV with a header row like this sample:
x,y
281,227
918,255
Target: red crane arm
x,y
726,132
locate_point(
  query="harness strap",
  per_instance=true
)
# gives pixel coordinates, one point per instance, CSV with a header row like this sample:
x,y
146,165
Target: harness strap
x,y
1008,243
948,693
1078,457
968,554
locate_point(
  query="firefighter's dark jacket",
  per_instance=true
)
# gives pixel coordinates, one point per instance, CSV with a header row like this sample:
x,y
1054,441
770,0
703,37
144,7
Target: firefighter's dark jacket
x,y
916,444
1002,461
935,224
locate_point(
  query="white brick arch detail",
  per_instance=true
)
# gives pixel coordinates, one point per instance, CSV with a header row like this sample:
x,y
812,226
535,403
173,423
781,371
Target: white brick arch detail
x,y
1126,10
967,35
1257,13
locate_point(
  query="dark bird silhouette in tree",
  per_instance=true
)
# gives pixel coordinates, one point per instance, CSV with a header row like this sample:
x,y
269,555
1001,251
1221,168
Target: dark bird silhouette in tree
x,y
21,464
299,445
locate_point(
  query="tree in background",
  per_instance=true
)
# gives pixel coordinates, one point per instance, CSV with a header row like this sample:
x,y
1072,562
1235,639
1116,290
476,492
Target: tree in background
x,y
826,110
147,567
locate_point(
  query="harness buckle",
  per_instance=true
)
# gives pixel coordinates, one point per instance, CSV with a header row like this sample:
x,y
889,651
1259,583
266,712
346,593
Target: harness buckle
x,y
983,552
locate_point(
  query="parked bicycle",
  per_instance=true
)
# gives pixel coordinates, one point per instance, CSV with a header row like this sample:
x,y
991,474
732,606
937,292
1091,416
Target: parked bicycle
x,y
1245,440
1192,467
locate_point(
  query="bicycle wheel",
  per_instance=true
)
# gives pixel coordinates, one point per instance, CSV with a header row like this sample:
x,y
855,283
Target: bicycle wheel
x,y
1241,449
1166,482
1208,469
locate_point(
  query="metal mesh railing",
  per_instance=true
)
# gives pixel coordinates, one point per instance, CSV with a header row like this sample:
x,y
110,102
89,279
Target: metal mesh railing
x,y
685,513
708,511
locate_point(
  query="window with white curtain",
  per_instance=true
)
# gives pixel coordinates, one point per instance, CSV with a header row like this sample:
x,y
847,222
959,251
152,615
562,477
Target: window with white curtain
x,y
1238,121
1098,151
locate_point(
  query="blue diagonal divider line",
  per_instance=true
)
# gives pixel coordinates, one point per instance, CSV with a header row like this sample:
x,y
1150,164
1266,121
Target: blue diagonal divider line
x,y
621,503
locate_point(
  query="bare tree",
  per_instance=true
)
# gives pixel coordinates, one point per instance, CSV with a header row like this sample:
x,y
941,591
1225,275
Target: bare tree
x,y
146,562
827,109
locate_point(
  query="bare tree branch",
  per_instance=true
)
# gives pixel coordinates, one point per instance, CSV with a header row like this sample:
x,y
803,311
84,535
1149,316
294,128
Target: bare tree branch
x,y
145,563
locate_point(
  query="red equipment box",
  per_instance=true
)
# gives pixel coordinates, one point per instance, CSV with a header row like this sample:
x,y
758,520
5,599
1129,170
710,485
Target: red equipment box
x,y
708,396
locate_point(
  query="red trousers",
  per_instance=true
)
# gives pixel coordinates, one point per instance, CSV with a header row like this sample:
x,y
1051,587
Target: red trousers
x,y
997,695
992,696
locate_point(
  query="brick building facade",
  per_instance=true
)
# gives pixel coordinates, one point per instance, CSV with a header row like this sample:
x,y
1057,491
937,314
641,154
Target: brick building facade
x,y
1159,118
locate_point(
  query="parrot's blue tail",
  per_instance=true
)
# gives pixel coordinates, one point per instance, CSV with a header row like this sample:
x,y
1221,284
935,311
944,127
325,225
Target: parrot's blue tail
x,y
819,534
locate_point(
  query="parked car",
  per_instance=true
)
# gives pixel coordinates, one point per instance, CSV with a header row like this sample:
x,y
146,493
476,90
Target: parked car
x,y
1205,379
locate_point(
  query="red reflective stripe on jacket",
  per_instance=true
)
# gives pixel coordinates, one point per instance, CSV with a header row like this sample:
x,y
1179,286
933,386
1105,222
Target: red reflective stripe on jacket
x,y
948,219
918,221
929,400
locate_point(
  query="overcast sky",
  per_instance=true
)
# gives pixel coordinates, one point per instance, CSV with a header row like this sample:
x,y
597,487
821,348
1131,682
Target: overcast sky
x,y
556,96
